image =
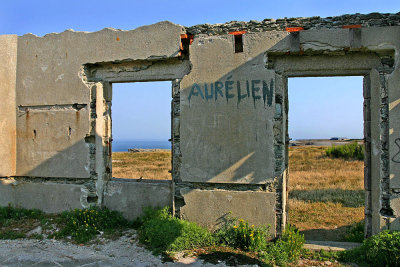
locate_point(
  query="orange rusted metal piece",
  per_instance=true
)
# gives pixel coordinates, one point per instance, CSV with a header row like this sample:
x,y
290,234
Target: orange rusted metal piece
x,y
294,29
357,26
187,36
238,32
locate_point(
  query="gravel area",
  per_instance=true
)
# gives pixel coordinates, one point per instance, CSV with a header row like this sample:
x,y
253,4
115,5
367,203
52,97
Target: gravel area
x,y
122,252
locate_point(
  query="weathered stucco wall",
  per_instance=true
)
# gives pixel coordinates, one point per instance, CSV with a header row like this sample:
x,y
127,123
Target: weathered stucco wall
x,y
229,114
8,72
131,196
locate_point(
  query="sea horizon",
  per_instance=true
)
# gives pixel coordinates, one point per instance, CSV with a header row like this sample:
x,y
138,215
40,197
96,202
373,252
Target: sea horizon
x,y
122,145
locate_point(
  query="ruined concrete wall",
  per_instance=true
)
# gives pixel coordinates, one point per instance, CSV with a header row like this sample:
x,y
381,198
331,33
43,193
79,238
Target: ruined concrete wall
x,y
229,114
323,49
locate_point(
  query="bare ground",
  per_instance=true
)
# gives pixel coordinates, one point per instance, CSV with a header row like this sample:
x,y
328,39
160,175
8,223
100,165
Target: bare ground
x,y
126,251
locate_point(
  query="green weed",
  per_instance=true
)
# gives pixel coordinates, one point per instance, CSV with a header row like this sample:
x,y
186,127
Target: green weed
x,y
349,151
286,249
322,255
355,233
11,235
9,214
382,249
84,224
162,233
238,234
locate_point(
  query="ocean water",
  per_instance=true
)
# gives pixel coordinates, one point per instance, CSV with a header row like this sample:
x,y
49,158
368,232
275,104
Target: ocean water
x,y
124,145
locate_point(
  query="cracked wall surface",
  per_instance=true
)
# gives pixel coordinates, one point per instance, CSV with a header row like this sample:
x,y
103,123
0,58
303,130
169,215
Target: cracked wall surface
x,y
228,112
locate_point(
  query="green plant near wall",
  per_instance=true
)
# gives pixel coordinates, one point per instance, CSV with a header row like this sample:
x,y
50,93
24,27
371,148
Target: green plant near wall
x,y
355,233
239,234
9,214
382,249
163,233
84,224
288,248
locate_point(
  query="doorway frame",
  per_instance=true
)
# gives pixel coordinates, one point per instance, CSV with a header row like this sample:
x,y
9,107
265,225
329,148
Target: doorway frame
x,y
366,93
352,64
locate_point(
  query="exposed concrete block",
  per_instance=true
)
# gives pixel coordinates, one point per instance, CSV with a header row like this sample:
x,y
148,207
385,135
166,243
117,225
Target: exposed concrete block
x,y
8,72
380,38
209,207
130,196
324,40
163,70
255,44
317,65
51,142
48,197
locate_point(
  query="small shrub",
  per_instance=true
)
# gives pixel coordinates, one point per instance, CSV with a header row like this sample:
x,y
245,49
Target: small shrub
x,y
355,233
83,224
287,248
162,233
276,254
349,151
382,249
238,234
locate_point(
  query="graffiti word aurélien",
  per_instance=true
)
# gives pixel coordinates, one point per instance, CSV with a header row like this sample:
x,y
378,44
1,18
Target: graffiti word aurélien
x,y
241,90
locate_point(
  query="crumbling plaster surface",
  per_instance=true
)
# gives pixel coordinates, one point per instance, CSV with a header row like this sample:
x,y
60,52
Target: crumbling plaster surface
x,y
48,197
8,72
130,197
217,206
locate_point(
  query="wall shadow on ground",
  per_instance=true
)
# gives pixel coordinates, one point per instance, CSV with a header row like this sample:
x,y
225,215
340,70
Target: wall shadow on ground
x,y
326,234
348,198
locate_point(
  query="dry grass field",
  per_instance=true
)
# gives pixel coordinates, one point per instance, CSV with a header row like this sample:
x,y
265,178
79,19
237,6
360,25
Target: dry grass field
x,y
146,165
325,195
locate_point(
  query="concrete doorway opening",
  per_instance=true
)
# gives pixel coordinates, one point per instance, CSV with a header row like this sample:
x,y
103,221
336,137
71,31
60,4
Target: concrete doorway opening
x,y
141,130
326,196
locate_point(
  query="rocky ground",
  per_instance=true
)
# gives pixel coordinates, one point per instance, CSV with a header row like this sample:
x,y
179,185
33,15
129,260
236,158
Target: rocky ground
x,y
126,251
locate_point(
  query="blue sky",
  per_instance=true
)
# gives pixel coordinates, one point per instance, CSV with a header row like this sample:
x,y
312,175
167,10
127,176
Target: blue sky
x,y
335,105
